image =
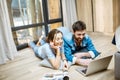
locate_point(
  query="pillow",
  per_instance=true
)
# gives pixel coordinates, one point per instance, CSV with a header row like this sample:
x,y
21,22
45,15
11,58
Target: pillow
x,y
46,63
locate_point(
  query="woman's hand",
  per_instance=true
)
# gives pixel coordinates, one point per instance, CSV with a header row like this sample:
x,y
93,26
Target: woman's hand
x,y
65,67
53,46
57,48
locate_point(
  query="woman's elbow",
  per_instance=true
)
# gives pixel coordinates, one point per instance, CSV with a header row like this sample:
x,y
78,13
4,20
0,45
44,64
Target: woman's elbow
x,y
56,67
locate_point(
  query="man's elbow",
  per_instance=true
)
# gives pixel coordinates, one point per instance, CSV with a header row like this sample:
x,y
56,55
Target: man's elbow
x,y
69,58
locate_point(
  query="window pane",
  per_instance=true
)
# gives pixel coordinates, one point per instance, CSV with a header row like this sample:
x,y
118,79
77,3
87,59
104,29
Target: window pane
x,y
31,34
54,9
55,25
26,12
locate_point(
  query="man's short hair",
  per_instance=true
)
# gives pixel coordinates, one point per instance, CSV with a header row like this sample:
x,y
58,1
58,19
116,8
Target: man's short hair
x,y
79,26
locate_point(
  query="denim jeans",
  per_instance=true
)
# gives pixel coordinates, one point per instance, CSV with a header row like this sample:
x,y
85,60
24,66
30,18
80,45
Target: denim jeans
x,y
35,48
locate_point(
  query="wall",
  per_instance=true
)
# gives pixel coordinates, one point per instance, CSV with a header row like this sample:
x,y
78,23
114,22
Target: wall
x,y
99,15
84,12
116,14
103,15
54,12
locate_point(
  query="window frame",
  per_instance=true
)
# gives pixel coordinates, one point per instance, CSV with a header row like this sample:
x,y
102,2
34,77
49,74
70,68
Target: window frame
x,y
45,23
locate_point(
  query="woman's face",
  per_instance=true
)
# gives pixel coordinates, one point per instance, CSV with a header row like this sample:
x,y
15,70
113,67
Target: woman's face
x,y
58,40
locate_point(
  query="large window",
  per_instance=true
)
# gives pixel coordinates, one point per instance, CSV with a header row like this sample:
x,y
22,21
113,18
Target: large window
x,y
54,9
32,18
27,12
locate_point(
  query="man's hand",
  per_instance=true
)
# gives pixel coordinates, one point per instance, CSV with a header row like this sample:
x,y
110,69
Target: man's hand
x,y
83,62
82,54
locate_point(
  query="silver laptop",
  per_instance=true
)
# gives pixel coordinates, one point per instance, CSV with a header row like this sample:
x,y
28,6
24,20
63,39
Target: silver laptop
x,y
95,66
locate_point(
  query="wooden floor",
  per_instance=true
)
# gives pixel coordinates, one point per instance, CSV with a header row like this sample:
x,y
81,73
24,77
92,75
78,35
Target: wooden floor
x,y
26,66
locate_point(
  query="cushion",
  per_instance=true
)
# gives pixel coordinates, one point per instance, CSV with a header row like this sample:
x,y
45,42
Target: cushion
x,y
46,63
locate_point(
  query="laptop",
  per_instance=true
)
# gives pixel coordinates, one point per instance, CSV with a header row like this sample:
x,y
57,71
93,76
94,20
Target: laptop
x,y
95,66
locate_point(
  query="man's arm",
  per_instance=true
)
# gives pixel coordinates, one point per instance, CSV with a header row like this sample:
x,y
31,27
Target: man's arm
x,y
92,51
67,52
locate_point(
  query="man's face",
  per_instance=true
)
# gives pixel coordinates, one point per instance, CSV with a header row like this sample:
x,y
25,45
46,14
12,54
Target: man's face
x,y
79,35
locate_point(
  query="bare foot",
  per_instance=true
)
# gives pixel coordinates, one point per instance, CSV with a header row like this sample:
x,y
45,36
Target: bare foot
x,y
28,41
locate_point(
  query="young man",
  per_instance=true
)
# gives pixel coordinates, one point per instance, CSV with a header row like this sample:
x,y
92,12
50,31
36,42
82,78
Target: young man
x,y
78,46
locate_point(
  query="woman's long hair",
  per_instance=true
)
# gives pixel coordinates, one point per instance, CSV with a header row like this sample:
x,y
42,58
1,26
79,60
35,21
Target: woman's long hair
x,y
51,35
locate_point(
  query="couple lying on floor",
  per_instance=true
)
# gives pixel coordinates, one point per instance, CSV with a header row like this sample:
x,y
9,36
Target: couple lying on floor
x,y
62,48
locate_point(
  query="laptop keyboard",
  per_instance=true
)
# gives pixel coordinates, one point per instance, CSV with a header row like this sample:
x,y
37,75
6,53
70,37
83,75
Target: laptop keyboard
x,y
84,71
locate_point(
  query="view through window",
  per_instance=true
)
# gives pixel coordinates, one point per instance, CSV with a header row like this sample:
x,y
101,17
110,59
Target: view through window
x,y
32,18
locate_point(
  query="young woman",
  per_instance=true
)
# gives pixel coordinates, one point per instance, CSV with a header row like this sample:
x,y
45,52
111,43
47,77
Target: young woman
x,y
52,50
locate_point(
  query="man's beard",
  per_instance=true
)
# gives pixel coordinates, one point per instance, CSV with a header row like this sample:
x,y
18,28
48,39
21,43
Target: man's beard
x,y
78,39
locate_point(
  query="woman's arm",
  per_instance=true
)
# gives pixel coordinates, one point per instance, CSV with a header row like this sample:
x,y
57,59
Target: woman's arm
x,y
56,62
63,57
65,67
